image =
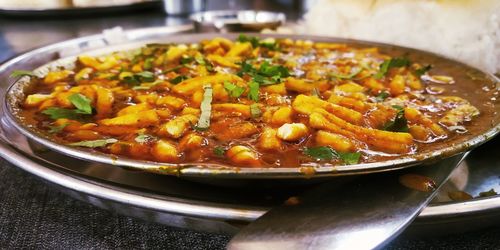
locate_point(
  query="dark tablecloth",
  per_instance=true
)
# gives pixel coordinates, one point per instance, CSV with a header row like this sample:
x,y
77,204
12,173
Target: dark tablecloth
x,y
34,215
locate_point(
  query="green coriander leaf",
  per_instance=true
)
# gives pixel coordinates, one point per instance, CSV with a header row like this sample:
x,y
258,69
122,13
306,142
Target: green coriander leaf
x,y
348,76
21,73
82,103
58,113
130,80
173,69
144,138
233,90
145,76
392,63
186,59
147,86
57,129
253,92
251,39
246,68
219,151
200,60
421,71
399,124
94,143
350,158
148,63
382,96
206,108
321,153
178,79
256,42
255,110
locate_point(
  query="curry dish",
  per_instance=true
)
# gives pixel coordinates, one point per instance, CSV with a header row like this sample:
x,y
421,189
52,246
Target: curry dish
x,y
249,103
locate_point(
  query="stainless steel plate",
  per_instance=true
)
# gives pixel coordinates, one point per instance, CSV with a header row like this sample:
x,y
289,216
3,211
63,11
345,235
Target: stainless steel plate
x,y
177,202
236,21
478,96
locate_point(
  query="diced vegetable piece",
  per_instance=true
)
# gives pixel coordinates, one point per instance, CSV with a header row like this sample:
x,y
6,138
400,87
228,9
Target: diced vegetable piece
x,y
239,49
190,86
459,115
268,140
134,109
165,151
174,53
35,100
336,141
142,119
104,102
56,76
173,102
397,85
83,74
176,127
244,156
282,115
292,131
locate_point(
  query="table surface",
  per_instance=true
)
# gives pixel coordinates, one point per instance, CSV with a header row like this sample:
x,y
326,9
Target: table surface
x,y
35,215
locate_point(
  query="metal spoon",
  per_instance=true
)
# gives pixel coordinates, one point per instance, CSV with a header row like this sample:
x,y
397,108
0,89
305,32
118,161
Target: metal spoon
x,y
363,214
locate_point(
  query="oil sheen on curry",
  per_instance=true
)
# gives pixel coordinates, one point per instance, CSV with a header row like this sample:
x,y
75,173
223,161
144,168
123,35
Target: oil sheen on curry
x,y
249,102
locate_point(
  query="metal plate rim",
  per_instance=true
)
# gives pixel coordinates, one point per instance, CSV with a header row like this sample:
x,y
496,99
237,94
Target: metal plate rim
x,y
221,171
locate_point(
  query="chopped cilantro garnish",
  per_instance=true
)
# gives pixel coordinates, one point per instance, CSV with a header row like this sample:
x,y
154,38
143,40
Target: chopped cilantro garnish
x,y
83,109
219,151
94,143
321,153
145,76
57,129
144,138
58,113
186,59
255,110
146,86
82,103
399,123
350,158
348,76
178,79
267,74
382,96
253,92
392,63
421,71
327,153
148,63
233,90
256,42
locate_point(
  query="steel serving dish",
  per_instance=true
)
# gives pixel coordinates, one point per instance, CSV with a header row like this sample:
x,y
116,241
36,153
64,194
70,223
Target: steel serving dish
x,y
236,20
173,201
474,89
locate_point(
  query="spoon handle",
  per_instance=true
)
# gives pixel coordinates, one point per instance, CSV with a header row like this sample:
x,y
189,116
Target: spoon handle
x,y
361,214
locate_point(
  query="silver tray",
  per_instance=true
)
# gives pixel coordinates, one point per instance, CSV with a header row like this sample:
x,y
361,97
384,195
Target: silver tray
x,y
178,202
